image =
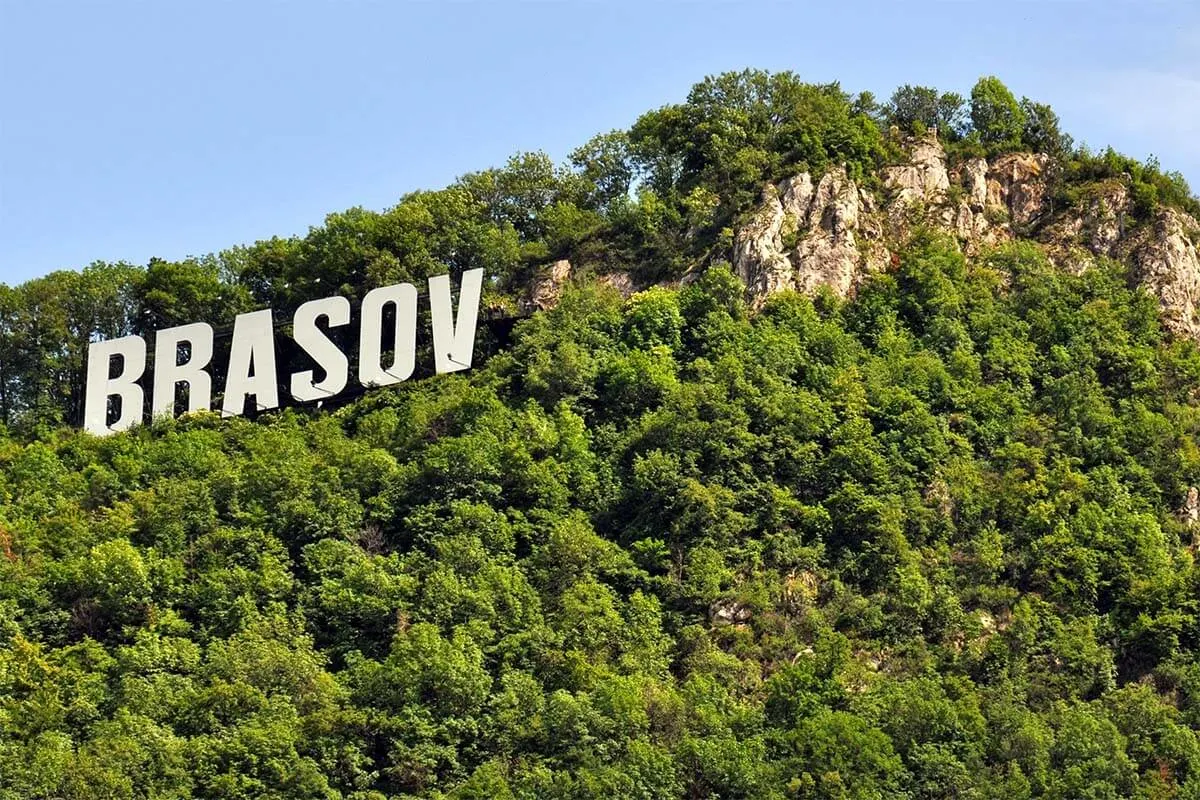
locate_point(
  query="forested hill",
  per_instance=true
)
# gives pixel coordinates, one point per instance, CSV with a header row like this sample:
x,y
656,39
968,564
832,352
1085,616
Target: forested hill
x,y
842,449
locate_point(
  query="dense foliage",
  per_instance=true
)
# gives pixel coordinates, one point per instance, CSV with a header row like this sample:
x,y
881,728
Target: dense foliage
x,y
922,544
913,546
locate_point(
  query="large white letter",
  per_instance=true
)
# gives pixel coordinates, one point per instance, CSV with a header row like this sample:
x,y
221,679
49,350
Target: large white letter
x,y
370,344
317,344
454,344
101,385
253,345
168,372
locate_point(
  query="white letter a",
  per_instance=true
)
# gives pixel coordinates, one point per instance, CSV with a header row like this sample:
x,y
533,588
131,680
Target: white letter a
x,y
253,345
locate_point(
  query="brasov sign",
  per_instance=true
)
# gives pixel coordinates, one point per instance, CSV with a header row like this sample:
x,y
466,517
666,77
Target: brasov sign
x,y
252,363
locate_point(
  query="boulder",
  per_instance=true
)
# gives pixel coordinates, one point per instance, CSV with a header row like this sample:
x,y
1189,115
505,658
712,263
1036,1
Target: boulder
x,y
729,612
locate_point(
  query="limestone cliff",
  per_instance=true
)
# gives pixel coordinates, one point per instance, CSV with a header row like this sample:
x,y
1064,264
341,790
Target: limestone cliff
x,y
1165,262
546,287
924,179
806,235
810,231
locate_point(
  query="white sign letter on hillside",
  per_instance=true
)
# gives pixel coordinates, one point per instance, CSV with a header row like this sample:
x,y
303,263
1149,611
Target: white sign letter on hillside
x,y
317,345
101,386
454,343
370,345
168,373
253,346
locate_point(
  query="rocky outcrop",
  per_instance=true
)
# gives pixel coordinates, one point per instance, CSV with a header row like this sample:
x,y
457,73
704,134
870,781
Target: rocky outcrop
x,y
1189,512
1075,237
546,289
807,235
974,178
810,232
973,221
1104,219
621,281
729,612
1189,515
838,238
1166,263
924,179
758,254
830,232
1011,187
1016,183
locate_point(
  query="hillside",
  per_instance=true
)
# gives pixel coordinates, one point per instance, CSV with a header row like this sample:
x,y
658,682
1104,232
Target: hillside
x,y
818,448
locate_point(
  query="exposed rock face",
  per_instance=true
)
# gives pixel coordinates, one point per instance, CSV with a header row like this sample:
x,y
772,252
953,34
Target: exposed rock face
x,y
811,232
1076,236
1166,263
621,281
1104,221
758,256
968,216
805,236
1016,182
729,612
924,179
975,182
833,219
546,289
1189,514
973,227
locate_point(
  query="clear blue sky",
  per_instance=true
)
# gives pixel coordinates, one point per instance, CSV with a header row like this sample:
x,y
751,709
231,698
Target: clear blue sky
x,y
138,129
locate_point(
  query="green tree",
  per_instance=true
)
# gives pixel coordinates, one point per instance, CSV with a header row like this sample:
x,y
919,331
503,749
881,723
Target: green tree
x,y
996,115
911,106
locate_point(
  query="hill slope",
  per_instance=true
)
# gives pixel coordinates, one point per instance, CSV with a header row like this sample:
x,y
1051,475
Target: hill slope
x,y
926,528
